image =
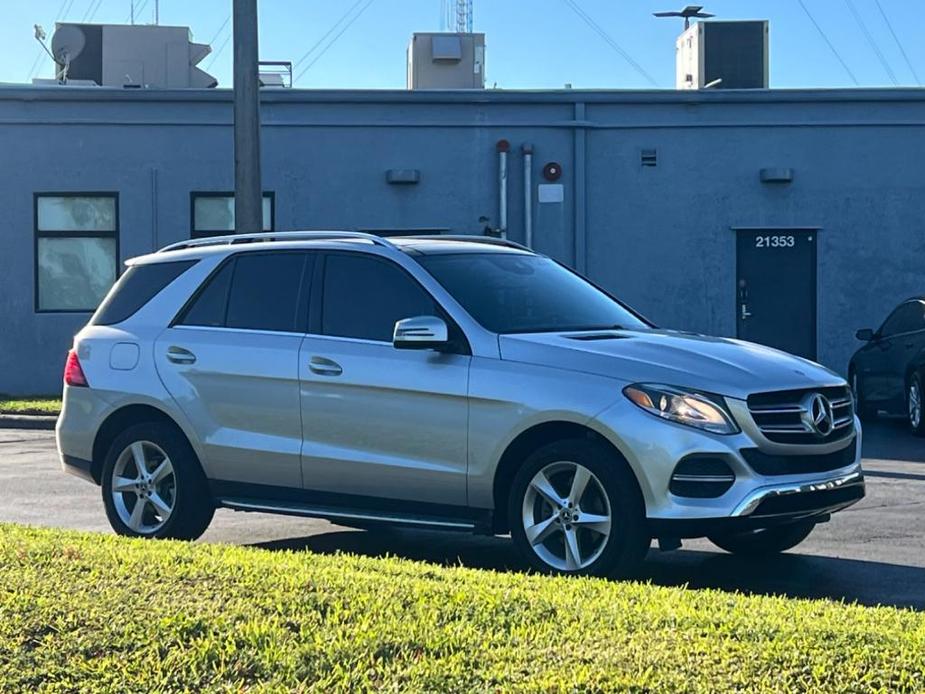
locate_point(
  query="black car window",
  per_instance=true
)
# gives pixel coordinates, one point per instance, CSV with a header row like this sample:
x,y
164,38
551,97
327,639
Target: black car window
x,y
521,293
905,318
136,288
265,291
363,298
208,308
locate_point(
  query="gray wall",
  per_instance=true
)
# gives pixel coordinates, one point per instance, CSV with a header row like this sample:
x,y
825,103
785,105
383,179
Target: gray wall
x,y
659,237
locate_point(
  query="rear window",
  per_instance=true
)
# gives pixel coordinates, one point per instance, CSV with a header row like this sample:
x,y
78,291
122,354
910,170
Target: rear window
x,y
137,287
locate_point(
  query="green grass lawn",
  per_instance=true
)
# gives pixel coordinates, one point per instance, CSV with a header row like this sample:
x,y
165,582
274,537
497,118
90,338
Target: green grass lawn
x,y
30,405
83,612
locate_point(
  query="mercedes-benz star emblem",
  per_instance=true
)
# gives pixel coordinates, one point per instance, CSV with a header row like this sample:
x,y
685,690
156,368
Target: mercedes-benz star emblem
x,y
818,415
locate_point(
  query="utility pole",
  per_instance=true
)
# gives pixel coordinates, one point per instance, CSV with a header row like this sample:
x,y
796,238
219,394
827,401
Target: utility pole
x,y
248,190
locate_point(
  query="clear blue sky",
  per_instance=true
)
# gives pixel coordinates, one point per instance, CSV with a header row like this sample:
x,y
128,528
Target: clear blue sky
x,y
532,44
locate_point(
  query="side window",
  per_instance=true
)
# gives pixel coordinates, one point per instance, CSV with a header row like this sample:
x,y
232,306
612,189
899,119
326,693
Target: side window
x,y
255,291
266,291
208,309
364,297
906,318
136,288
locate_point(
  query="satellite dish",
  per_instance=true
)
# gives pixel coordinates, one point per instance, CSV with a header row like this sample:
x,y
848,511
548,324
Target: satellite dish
x,y
67,43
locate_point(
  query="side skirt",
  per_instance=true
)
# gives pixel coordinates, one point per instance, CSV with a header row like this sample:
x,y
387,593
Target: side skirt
x,y
349,509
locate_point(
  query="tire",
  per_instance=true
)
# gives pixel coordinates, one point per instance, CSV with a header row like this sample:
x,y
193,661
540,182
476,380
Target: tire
x,y
173,492
915,409
863,410
603,533
764,542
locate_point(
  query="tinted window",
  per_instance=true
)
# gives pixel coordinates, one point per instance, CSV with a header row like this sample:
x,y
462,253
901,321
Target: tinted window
x,y
208,308
906,318
136,288
514,292
265,291
364,297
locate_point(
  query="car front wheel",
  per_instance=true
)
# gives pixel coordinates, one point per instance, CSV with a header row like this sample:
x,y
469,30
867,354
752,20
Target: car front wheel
x,y
764,541
153,485
914,405
575,508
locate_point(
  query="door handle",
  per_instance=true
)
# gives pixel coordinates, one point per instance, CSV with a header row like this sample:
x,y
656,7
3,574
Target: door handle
x,y
179,355
324,367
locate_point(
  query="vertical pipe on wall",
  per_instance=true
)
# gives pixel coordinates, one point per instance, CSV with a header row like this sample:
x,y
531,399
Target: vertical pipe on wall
x,y
502,146
528,195
580,190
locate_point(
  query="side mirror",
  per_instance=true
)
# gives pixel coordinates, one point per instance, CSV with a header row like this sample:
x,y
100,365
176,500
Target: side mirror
x,y
865,334
420,332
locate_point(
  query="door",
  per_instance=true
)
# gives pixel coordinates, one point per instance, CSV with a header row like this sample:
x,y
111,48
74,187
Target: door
x,y
883,364
377,421
776,289
231,363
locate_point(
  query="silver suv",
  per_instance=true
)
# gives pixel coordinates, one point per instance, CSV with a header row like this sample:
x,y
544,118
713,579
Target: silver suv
x,y
462,383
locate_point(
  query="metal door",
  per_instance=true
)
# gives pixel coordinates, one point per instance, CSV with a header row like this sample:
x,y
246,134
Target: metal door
x,y
776,289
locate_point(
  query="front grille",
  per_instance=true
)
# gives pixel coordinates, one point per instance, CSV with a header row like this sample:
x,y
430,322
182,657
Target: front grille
x,y
786,416
701,477
771,465
821,500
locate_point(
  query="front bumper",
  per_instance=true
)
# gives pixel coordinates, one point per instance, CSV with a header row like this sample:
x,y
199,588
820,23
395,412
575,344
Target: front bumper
x,y
653,448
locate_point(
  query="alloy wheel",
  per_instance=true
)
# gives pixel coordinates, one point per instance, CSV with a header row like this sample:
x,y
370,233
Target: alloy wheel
x,y
567,517
915,404
144,487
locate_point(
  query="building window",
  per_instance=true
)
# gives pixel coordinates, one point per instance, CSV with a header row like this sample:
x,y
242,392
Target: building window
x,y
212,214
76,249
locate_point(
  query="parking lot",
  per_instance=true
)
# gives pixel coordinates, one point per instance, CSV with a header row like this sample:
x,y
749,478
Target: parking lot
x,y
873,553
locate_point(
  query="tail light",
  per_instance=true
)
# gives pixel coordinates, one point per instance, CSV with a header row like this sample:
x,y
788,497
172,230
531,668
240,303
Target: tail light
x,y
73,373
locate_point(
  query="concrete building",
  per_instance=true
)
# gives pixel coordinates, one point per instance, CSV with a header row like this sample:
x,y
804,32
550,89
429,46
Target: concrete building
x,y
789,217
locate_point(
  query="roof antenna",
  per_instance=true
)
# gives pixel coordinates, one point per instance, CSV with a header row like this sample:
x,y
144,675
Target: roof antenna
x,y
687,13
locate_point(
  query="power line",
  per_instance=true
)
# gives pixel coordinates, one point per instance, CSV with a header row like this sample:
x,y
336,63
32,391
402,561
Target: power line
x,y
219,51
327,33
587,19
334,40
219,30
871,42
899,43
89,9
95,10
829,43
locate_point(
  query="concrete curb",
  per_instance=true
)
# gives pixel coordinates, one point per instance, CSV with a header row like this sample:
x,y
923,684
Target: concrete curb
x,y
27,421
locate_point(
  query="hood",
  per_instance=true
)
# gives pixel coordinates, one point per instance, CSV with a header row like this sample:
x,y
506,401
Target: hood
x,y
713,364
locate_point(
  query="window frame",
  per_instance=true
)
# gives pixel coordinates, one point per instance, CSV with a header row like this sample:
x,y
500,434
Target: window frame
x,y
303,303
195,233
73,234
459,341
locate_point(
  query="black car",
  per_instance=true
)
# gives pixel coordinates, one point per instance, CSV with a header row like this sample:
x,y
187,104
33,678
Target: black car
x,y
888,372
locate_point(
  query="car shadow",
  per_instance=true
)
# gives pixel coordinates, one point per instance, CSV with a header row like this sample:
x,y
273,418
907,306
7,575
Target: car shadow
x,y
889,438
791,574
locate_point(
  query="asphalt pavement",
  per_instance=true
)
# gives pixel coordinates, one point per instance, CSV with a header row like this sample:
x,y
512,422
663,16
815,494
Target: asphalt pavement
x,y
872,553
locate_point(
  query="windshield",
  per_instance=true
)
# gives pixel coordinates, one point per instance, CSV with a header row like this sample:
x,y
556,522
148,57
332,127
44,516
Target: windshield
x,y
519,293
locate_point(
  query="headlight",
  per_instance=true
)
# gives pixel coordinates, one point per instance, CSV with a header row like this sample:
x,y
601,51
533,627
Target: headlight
x,y
682,406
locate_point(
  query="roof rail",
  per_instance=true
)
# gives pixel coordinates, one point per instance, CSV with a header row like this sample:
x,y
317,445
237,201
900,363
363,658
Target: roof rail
x,y
472,238
277,236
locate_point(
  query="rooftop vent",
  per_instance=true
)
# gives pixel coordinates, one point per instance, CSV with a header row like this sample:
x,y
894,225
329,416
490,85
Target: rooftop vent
x,y
120,55
446,61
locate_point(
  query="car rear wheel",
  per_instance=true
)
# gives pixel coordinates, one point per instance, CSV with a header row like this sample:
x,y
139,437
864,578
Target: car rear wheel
x,y
766,540
914,405
153,485
575,508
